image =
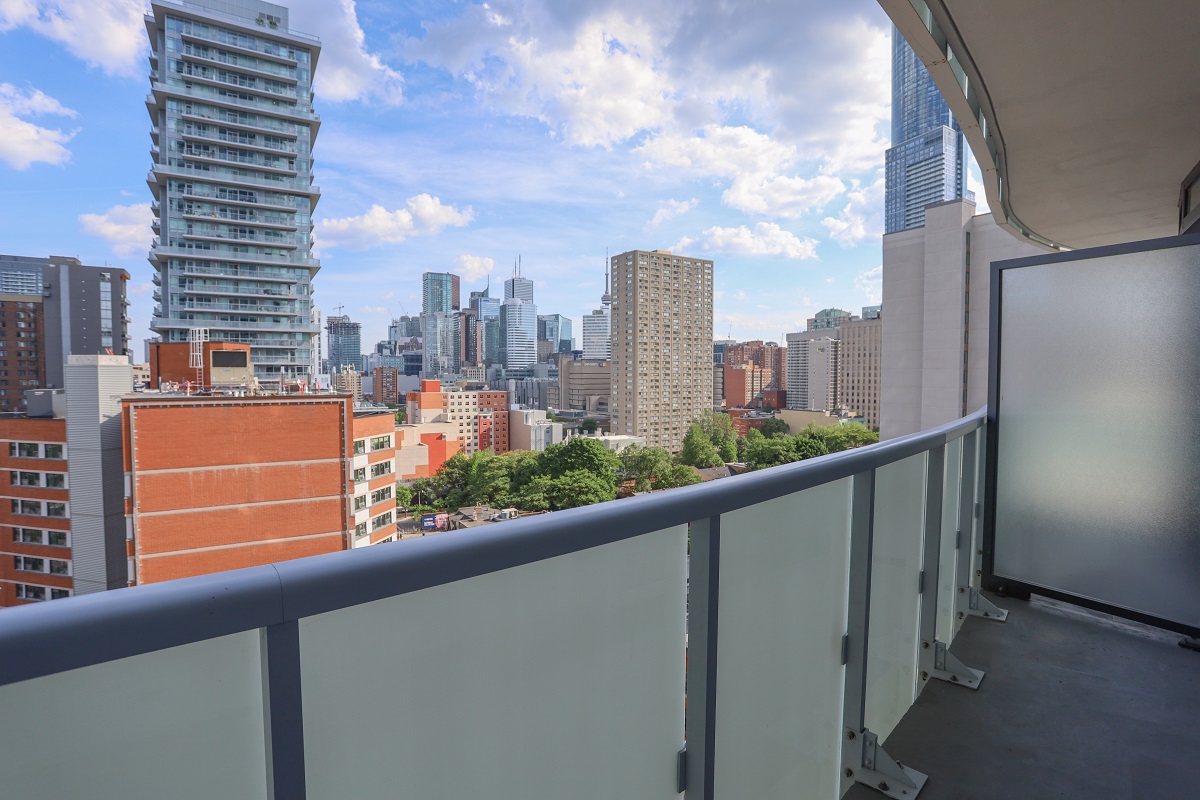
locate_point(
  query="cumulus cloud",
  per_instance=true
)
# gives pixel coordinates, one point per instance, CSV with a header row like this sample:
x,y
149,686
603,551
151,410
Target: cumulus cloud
x,y
752,161
375,310
126,227
423,215
475,268
670,210
861,218
107,34
22,142
110,35
766,239
870,283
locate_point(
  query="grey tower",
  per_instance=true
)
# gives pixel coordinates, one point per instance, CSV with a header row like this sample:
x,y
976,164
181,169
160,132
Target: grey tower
x,y
233,126
927,161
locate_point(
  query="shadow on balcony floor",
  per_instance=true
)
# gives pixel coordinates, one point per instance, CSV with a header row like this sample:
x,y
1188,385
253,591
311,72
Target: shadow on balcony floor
x,y
1075,704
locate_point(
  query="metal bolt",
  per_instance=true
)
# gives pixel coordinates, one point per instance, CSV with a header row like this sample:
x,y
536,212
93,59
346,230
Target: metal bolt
x,y
986,614
849,772
978,572
961,615
924,645
961,590
850,735
883,786
954,679
924,676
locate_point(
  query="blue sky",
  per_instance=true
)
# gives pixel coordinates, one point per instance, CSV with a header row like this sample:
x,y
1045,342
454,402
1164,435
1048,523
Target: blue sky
x,y
458,135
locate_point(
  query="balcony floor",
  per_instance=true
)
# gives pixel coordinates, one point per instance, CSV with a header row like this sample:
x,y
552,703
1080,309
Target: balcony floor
x,y
1075,704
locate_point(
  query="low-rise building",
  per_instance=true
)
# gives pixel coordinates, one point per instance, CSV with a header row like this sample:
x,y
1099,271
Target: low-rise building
x,y
531,429
479,418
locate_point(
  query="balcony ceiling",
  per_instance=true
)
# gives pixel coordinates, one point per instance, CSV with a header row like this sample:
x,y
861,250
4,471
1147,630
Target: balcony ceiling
x,y
1093,107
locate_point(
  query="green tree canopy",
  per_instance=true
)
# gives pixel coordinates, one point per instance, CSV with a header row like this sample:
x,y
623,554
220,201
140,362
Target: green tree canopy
x,y
809,447
719,429
698,450
647,467
404,495
762,452
581,454
775,427
588,425
677,475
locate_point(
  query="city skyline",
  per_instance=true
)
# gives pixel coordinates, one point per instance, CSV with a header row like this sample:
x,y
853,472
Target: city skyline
x,y
458,138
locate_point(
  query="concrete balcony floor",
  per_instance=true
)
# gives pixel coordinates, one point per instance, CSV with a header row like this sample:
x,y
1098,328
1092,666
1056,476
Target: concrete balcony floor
x,y
1075,704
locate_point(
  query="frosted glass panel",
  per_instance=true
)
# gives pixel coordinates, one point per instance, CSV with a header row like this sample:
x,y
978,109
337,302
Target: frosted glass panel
x,y
183,723
948,563
1098,455
784,572
895,601
558,679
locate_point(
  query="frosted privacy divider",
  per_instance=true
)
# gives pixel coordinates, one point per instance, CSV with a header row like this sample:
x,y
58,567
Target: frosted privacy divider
x,y
973,532
948,562
563,678
1098,454
784,573
186,722
895,601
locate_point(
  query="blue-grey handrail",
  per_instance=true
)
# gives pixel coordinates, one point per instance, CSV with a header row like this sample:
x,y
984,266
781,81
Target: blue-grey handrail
x,y
47,638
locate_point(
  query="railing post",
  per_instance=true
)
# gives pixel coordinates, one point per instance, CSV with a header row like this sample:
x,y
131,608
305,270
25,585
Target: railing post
x,y
863,758
704,585
284,712
970,525
934,659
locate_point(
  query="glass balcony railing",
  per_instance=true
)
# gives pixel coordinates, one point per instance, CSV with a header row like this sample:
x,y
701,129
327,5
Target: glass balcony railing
x,y
797,611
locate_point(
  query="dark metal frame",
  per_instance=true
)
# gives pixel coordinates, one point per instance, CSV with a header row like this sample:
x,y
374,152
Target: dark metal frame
x,y
1007,584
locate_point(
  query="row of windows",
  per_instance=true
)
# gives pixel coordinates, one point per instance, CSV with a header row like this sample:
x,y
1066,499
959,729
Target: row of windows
x,y
48,480
27,591
39,536
381,521
379,495
48,566
38,508
35,450
381,469
381,443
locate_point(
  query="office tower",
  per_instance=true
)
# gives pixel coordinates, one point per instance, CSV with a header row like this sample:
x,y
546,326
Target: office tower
x,y
439,293
518,333
935,333
404,327
518,287
233,129
926,163
861,351
596,334
662,326
828,319
441,343
813,370
487,306
471,333
345,343
555,329
583,384
52,308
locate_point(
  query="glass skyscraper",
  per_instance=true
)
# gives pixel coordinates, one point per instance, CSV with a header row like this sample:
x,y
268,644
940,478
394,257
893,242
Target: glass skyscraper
x,y
439,293
344,340
927,161
232,126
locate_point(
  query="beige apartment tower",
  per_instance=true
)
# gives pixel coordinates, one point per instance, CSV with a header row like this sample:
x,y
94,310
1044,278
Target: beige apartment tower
x,y
662,323
859,360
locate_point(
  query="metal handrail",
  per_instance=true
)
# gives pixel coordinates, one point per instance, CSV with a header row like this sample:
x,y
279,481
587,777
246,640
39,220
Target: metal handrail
x,y
86,630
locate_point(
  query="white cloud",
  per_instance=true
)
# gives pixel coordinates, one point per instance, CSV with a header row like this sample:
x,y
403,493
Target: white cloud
x,y
126,227
861,218
975,184
375,310
108,34
870,283
670,210
475,268
422,215
767,239
22,142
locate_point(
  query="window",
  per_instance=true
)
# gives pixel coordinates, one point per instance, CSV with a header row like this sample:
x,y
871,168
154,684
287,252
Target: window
x,y
32,507
56,509
58,594
360,529
29,564
360,502
22,450
27,535
360,447
56,480
380,469
57,538
360,474
381,443
379,495
25,478
54,451
381,521
27,592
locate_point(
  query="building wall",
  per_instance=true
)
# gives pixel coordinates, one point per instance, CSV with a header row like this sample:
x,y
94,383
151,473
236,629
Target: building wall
x,y
30,535
813,370
23,363
859,359
530,429
480,418
172,363
661,344
422,449
373,476
226,483
583,384
935,316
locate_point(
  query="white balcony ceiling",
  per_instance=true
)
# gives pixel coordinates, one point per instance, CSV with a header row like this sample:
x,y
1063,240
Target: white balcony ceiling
x,y
1094,108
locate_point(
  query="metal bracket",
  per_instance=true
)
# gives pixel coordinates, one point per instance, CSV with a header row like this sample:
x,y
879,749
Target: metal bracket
x,y
879,770
980,606
681,770
947,667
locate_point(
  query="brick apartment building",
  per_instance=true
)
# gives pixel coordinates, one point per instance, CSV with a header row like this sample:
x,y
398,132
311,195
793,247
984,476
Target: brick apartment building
x,y
385,385
219,483
479,418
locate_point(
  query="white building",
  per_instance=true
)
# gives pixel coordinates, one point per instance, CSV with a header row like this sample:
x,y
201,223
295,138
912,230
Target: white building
x,y
518,332
813,368
596,340
531,429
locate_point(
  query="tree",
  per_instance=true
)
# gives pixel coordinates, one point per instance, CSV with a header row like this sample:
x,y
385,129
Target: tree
x,y
404,495
588,425
425,491
569,490
677,475
762,452
487,480
719,429
581,454
401,416
809,447
647,467
775,427
698,450
859,435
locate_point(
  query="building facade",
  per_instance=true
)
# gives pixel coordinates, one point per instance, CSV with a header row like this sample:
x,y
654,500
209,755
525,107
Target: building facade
x,y
813,370
441,344
926,163
343,337
583,384
556,330
531,429
828,319
232,125
518,332
440,293
596,335
935,325
662,318
477,419
860,356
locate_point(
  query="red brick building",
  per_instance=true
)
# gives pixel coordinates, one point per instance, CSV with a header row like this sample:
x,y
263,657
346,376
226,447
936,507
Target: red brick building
x,y
35,514
385,385
223,365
